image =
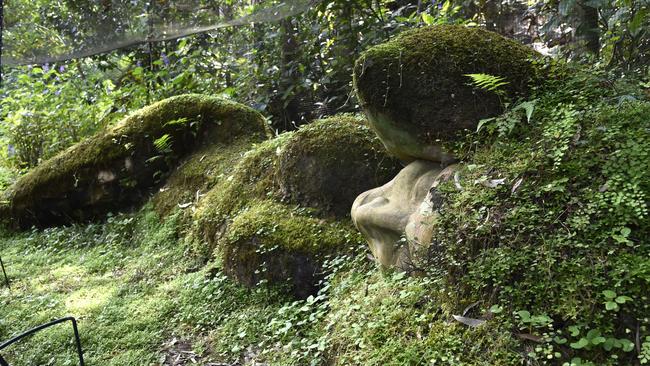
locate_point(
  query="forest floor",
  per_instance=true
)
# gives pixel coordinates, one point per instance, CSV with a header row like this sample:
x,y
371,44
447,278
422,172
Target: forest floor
x,y
141,298
131,295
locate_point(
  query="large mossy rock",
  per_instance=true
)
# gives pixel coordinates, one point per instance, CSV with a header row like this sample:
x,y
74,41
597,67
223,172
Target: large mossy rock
x,y
328,163
280,244
416,92
115,168
274,220
196,174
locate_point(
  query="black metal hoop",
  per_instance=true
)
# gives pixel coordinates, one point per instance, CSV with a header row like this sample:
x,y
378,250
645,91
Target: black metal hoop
x,y
28,333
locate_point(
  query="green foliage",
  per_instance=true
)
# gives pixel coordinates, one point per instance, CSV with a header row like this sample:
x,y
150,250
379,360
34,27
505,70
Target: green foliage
x,y
615,30
565,237
488,82
45,110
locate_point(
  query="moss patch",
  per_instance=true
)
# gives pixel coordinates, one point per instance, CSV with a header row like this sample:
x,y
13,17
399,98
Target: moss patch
x,y
327,164
415,92
271,180
195,176
114,168
272,242
561,249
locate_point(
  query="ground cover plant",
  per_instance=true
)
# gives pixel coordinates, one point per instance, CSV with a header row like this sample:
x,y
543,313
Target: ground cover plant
x,y
502,258
539,253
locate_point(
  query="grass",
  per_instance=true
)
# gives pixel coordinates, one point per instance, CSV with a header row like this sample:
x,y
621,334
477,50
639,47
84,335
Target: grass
x,y
141,299
128,283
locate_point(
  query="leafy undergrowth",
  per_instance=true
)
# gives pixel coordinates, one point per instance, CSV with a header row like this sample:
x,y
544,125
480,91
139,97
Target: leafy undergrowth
x,y
546,227
541,256
141,300
128,283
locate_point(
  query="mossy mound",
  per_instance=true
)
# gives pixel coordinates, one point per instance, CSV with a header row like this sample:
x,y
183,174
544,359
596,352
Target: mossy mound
x,y
327,164
263,193
416,92
114,168
278,244
195,175
550,231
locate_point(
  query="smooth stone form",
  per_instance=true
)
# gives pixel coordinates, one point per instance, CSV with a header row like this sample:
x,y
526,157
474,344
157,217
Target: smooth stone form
x,y
329,162
416,93
397,218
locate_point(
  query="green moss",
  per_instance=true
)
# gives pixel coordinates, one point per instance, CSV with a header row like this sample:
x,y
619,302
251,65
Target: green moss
x,y
252,178
322,168
569,226
62,188
274,242
416,86
195,176
328,163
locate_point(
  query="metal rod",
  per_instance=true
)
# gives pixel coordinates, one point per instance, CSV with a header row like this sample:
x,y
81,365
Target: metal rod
x,y
41,327
2,13
4,272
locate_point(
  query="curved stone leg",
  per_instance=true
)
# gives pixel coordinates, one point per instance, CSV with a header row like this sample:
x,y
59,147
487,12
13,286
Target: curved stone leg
x,y
397,218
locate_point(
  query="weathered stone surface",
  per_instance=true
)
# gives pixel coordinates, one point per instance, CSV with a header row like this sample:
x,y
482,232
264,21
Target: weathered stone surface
x,y
283,245
398,218
280,212
328,163
115,168
416,94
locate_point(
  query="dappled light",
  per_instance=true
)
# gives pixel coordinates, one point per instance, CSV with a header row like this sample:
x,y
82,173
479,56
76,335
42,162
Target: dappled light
x,y
324,182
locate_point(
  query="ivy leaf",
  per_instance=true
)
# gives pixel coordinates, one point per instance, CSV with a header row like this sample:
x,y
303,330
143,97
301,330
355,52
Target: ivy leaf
x,y
428,19
609,344
496,309
598,340
625,232
524,315
611,305
622,299
627,344
609,294
592,334
582,343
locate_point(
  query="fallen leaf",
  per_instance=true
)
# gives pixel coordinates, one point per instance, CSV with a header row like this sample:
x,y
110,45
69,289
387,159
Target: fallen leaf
x,y
469,321
491,183
517,184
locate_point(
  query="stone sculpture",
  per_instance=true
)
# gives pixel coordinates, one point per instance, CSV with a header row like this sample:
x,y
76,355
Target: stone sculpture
x,y
417,95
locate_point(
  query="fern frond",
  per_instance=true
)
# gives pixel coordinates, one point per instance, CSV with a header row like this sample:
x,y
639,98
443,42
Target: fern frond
x,y
163,143
487,82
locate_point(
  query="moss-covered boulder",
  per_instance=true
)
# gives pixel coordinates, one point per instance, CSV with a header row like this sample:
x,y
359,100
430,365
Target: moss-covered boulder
x,y
279,244
272,219
196,174
328,163
416,92
115,168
